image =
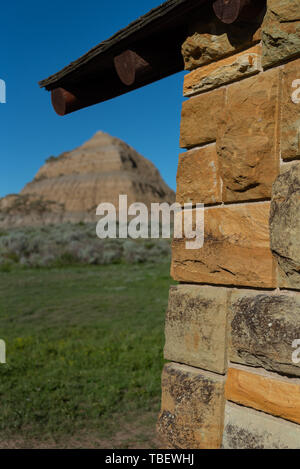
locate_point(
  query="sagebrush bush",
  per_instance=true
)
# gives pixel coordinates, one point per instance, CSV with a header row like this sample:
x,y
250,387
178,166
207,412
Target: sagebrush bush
x,y
67,244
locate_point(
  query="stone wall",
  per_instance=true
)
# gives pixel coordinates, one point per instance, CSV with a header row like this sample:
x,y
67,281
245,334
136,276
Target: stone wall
x,y
233,378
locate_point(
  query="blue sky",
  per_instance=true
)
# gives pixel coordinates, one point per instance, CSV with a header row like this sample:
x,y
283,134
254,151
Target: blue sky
x,y
39,39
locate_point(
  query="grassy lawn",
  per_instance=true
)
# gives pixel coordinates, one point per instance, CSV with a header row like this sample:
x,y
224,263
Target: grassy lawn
x,y
84,355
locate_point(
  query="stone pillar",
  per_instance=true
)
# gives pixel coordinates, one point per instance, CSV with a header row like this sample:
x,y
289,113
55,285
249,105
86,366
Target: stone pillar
x,y
233,320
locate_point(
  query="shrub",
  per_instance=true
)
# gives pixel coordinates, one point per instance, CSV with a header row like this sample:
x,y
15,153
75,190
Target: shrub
x,y
67,244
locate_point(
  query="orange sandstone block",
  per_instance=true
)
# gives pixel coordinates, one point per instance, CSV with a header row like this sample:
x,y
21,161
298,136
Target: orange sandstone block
x,y
248,142
279,397
210,40
224,71
198,177
200,118
290,120
236,249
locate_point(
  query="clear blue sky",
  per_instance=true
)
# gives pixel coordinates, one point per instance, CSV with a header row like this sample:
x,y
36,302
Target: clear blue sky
x,y
39,39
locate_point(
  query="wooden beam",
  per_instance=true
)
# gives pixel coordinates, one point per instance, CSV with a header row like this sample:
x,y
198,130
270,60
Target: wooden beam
x,y
229,11
62,101
130,66
70,98
146,51
172,14
66,101
136,67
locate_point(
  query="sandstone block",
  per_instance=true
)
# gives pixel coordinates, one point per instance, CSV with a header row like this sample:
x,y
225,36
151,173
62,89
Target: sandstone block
x,y
261,391
263,329
248,141
285,226
211,40
287,165
200,118
281,32
290,121
192,412
196,327
225,71
198,177
249,429
236,249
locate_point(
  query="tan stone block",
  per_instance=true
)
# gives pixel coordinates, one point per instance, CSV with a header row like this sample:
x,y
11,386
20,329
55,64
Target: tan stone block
x,y
225,71
248,140
281,32
285,10
200,118
275,396
198,177
196,327
246,428
285,226
236,249
210,40
263,327
192,409
287,165
290,114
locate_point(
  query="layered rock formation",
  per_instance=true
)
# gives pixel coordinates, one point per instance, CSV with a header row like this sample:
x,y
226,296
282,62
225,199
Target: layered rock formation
x,y
29,210
71,186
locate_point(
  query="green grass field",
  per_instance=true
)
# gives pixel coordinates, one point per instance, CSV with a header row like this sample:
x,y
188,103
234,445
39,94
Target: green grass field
x,y
84,355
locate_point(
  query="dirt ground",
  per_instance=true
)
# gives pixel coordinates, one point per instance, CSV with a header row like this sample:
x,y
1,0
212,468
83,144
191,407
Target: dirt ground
x,y
138,434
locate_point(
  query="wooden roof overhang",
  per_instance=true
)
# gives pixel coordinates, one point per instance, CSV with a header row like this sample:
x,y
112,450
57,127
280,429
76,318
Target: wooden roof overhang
x,y
147,50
